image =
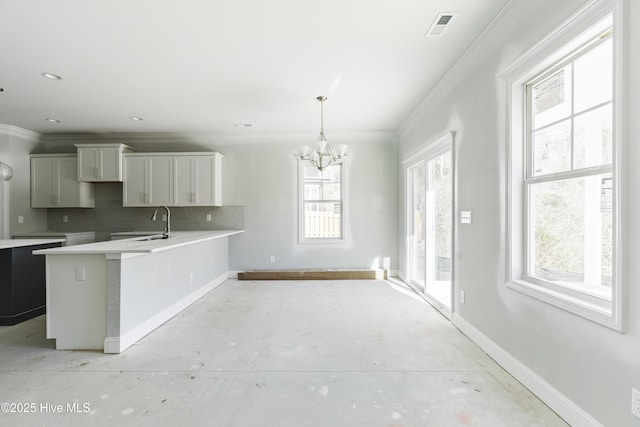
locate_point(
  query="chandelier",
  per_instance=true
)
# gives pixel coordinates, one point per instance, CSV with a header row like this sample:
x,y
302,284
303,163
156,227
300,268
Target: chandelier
x,y
321,154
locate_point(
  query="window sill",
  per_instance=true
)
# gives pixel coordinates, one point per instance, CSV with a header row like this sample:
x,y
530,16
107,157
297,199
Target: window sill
x,y
320,241
571,304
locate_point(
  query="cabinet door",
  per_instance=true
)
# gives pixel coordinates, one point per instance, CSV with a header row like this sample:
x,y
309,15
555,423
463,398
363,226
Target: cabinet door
x,y
88,164
147,181
99,164
160,172
195,181
43,182
134,192
54,184
184,181
68,194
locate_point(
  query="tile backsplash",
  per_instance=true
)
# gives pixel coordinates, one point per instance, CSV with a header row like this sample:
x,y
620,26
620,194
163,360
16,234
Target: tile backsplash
x,y
109,216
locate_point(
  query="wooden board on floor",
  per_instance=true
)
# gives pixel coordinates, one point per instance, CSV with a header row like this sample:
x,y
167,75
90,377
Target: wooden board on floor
x,y
313,275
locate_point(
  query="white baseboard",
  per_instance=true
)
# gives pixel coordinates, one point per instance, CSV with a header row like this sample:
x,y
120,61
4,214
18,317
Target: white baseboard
x,y
126,340
234,274
558,402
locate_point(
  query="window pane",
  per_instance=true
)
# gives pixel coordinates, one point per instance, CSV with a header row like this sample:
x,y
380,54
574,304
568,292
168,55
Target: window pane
x,y
552,149
551,98
330,192
311,172
571,239
312,191
593,138
331,174
322,220
441,193
594,77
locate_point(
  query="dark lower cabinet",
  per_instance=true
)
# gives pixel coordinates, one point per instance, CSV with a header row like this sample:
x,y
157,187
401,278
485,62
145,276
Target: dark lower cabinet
x,y
22,283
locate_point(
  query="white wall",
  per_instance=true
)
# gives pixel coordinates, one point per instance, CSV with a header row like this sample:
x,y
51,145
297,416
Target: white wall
x,y
593,366
15,146
263,176
260,172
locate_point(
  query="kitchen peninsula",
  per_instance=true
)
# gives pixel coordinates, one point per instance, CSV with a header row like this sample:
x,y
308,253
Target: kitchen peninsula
x,y
108,295
22,282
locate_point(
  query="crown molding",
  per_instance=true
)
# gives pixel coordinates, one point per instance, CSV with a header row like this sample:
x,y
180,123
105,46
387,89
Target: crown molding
x,y
222,138
491,33
16,131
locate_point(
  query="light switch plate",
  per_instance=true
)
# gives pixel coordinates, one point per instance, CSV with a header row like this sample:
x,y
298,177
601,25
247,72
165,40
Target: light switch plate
x,y
465,217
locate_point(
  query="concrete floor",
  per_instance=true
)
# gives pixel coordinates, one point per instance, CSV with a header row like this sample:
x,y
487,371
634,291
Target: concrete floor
x,y
309,353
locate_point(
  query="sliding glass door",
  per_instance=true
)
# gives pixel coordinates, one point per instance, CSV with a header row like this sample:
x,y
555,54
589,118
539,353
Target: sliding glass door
x,y
430,225
417,234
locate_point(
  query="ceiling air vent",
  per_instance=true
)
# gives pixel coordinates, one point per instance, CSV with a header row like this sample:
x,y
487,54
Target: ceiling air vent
x,y
440,24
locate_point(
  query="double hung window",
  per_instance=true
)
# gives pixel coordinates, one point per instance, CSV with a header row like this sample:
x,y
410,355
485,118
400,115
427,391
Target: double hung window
x,y
565,175
321,205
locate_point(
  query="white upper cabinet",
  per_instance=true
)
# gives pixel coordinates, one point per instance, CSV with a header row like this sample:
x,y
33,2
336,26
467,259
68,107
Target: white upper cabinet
x,y
197,180
147,180
172,179
54,183
101,162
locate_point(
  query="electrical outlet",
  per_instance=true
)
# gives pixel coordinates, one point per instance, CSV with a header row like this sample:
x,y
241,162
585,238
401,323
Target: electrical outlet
x,y
208,217
635,402
81,274
20,219
462,296
272,259
65,218
164,217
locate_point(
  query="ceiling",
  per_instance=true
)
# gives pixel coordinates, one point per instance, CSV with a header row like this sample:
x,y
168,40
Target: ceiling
x,y
219,66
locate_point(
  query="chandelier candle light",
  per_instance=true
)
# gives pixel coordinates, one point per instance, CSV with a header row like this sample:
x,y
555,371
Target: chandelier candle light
x,y
322,154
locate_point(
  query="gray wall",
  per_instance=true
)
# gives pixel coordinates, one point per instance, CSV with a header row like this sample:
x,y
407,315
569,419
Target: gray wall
x,y
15,146
593,366
260,174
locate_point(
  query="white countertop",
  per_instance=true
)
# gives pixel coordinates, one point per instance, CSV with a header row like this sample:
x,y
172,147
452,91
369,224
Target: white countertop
x,y
17,243
135,245
51,233
135,233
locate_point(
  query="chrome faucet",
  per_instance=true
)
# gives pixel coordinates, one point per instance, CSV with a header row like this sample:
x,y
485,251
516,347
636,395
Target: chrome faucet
x,y
167,228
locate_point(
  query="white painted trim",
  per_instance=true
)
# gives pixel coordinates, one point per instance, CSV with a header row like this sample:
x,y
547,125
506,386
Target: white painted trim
x,y
126,340
431,150
252,137
493,31
13,130
567,37
554,46
558,402
344,193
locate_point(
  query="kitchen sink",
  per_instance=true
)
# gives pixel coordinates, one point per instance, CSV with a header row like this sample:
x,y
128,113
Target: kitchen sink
x,y
153,237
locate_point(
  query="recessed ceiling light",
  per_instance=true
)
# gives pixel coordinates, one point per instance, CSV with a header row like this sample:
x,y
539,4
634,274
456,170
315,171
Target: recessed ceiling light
x,y
136,119
51,76
52,120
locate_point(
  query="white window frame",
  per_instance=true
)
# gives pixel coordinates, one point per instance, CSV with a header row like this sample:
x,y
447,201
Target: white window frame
x,y
572,34
301,203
